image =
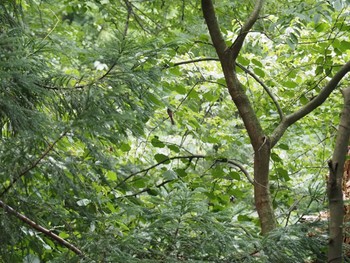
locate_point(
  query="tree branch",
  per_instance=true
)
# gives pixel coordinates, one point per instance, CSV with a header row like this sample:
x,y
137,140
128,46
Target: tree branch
x,y
234,163
146,189
33,165
190,157
311,105
194,61
272,96
159,163
41,229
238,43
213,27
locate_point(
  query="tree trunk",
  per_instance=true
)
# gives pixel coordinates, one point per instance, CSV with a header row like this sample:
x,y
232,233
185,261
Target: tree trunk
x,y
262,196
346,196
335,194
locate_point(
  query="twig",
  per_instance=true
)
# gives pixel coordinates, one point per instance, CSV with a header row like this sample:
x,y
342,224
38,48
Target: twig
x,y
272,96
193,61
190,157
268,91
234,163
33,165
41,229
147,189
159,163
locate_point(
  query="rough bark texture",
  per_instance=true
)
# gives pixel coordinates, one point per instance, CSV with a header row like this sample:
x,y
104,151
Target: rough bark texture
x,y
335,194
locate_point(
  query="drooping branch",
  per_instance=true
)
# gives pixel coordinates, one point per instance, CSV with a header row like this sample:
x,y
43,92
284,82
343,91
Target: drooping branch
x,y
234,163
33,165
268,91
41,229
213,27
238,43
311,105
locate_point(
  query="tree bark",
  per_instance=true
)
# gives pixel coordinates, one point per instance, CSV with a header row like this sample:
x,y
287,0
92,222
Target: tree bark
x,y
262,195
335,194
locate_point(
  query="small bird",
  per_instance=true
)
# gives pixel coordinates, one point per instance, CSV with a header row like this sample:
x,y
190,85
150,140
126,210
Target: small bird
x,y
170,113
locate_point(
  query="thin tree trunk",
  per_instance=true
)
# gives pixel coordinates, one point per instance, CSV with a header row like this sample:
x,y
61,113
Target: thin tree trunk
x,y
335,194
262,195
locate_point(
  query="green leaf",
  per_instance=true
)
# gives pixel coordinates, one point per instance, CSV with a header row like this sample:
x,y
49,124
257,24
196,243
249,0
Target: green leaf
x,y
319,70
283,174
153,192
209,96
181,89
234,175
257,63
139,183
173,148
111,176
303,100
161,157
63,235
243,218
169,175
294,38
125,147
181,172
157,143
259,72
283,146
290,84
244,61
151,97
290,44
276,158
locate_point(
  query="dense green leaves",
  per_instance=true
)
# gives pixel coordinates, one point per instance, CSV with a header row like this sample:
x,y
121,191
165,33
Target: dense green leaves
x,y
88,151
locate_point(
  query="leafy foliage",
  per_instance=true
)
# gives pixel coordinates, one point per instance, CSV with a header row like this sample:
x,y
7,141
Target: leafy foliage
x,y
88,152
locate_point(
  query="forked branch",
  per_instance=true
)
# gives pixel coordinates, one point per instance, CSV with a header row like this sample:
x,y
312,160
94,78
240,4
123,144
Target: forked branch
x,y
238,43
311,105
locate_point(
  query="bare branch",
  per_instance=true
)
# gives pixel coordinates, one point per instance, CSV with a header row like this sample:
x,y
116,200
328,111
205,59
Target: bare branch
x,y
194,61
159,163
41,229
213,27
234,163
311,105
146,189
190,157
238,43
33,165
272,96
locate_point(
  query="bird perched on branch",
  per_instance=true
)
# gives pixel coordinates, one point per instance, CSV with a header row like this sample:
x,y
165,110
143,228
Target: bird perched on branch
x,y
170,113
